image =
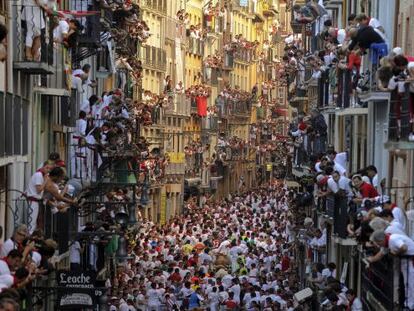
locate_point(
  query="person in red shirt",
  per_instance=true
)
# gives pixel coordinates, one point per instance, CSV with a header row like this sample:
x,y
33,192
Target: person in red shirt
x,y
175,277
285,262
231,304
366,190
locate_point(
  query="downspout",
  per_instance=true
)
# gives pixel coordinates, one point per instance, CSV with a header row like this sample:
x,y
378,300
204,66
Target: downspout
x,y
396,16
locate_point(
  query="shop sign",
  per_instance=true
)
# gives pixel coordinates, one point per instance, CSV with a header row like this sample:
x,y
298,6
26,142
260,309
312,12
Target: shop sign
x,y
77,289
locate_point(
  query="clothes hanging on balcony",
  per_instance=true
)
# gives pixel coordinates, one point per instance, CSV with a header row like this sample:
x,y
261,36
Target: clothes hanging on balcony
x,y
378,50
201,106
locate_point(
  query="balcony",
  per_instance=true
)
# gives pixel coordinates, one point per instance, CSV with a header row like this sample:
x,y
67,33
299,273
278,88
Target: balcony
x,y
30,29
335,208
158,6
182,106
243,56
153,58
228,61
370,90
209,124
14,125
176,165
400,129
236,109
175,29
90,37
196,46
269,10
380,284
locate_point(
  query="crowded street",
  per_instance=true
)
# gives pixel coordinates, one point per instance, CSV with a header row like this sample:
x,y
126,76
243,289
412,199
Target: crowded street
x,y
209,155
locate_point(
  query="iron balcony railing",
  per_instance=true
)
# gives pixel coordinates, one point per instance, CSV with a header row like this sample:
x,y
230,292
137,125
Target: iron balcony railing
x,y
33,48
181,106
243,55
380,284
209,123
196,46
236,108
14,125
400,127
156,5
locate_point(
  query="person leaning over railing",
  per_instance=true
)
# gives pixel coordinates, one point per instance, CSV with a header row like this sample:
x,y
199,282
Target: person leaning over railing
x,y
403,247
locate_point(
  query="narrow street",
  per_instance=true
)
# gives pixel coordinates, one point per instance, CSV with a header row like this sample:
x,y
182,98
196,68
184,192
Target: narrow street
x,y
209,155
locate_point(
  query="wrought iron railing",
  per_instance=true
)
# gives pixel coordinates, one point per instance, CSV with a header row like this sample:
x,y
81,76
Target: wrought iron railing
x,y
400,127
14,123
196,46
33,34
156,5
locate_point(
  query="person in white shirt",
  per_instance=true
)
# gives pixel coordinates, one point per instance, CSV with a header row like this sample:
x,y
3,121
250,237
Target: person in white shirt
x,y
355,303
75,256
372,174
34,193
329,271
64,29
235,289
397,212
400,245
79,149
213,299
16,241
339,182
153,298
81,77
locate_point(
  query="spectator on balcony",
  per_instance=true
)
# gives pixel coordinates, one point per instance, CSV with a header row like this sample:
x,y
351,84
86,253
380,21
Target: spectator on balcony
x,y
339,185
372,174
329,271
320,129
179,88
54,197
167,86
3,42
363,37
34,192
65,32
351,21
364,20
33,16
366,190
80,77
400,245
355,303
16,241
397,212
337,35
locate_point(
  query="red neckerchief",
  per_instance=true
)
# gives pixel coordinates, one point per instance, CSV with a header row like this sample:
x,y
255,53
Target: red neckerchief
x,y
393,205
41,171
349,307
387,239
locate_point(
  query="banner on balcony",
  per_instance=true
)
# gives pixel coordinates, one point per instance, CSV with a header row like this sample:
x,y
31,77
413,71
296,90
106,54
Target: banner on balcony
x,y
176,157
244,3
163,208
201,106
77,289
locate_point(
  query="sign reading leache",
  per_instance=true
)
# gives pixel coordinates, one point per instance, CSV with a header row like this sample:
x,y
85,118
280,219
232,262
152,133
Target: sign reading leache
x,y
77,289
